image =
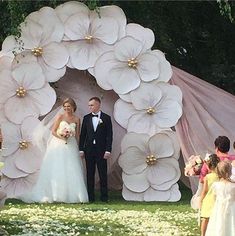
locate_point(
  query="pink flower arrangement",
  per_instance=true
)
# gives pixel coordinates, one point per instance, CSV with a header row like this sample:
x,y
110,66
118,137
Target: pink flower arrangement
x,y
194,165
66,133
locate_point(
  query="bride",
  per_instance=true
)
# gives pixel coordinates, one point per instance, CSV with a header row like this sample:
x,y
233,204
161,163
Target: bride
x,y
61,177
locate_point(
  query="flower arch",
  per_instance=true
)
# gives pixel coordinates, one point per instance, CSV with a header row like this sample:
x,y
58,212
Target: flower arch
x,y
120,58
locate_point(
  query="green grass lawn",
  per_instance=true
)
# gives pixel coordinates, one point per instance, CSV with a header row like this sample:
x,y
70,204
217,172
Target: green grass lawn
x,y
117,217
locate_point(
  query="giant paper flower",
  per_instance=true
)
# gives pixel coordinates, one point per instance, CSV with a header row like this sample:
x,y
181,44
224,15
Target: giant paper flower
x,y
91,34
150,161
24,92
40,41
15,187
171,195
154,107
124,68
21,156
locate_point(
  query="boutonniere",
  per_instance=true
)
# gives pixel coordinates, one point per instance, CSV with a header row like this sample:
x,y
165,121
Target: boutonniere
x,y
100,121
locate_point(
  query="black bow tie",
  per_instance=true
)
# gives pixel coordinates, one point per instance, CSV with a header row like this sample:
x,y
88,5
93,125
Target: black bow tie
x,y
94,115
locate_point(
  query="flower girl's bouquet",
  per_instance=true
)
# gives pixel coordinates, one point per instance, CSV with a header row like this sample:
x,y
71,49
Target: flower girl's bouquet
x,y
194,165
66,133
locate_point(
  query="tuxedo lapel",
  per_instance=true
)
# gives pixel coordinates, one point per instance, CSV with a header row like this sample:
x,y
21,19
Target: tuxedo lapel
x,y
90,123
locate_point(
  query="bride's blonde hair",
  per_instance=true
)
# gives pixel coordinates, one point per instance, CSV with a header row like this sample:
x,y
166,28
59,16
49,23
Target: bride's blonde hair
x,y
71,102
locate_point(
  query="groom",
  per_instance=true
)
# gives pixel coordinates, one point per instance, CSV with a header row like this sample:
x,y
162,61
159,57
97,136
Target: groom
x,y
95,145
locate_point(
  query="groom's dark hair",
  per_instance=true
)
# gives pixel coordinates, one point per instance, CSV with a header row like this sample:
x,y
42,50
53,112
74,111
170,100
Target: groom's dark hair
x,y
96,99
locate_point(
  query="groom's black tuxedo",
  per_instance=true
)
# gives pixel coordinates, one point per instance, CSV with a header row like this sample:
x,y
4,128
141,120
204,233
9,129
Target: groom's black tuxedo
x,y
95,143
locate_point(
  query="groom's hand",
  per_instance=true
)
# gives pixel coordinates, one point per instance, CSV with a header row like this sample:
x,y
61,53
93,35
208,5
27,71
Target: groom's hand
x,y
107,155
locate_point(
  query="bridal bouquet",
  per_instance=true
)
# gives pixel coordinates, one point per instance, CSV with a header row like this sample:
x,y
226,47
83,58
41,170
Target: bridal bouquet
x,y
194,165
66,133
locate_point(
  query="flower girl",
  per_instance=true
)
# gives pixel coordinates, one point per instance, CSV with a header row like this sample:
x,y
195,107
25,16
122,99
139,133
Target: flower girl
x,y
207,195
222,220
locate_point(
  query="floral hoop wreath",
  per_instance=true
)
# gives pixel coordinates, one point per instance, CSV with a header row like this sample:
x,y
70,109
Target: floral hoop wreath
x,y
120,57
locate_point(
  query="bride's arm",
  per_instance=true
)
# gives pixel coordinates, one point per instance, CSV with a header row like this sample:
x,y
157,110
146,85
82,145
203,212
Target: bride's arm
x,y
56,126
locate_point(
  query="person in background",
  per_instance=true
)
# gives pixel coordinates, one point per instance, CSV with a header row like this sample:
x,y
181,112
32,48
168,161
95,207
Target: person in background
x,y
222,146
222,219
207,196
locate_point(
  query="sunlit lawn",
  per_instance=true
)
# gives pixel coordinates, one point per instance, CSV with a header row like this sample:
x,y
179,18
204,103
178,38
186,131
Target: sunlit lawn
x,y
116,217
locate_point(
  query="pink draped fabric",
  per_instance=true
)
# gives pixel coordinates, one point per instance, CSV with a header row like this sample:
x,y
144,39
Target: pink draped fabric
x,y
207,113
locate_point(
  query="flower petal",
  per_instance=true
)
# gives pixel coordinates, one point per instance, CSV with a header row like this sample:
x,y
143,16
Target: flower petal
x,y
165,67
12,136
55,55
28,126
129,195
148,67
8,86
16,187
116,13
44,98
135,140
104,29
28,160
127,48
77,26
31,34
142,122
64,11
124,79
16,109
161,145
53,29
29,75
164,174
102,69
145,96
122,112
9,46
5,62
10,170
51,74
175,193
170,91
132,161
155,195
168,113
84,54
136,183
145,35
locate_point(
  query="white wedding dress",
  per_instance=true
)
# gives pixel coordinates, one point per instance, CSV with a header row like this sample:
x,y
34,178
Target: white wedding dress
x,y
61,177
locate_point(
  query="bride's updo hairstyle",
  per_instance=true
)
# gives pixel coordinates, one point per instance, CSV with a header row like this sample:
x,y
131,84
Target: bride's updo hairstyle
x,y
71,102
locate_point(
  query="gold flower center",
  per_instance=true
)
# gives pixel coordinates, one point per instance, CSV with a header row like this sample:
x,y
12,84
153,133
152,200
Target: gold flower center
x,y
21,92
37,51
151,110
23,144
89,38
132,62
151,160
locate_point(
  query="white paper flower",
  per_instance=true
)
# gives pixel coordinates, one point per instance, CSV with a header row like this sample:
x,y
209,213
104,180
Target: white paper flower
x,y
5,62
154,107
18,186
24,92
92,35
150,161
40,41
21,156
124,68
145,35
171,195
